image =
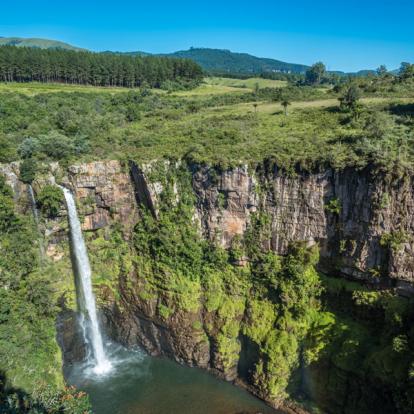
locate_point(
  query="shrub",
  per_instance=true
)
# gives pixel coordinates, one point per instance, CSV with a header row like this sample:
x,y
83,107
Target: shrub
x,y
376,125
28,170
7,149
56,145
50,200
394,240
334,206
350,97
29,147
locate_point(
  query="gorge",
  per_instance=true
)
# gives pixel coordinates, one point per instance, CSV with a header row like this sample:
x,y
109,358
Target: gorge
x,y
204,266
124,372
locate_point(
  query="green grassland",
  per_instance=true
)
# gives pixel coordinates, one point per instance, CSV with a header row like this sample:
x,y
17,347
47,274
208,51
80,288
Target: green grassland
x,y
214,123
210,86
245,83
223,123
35,88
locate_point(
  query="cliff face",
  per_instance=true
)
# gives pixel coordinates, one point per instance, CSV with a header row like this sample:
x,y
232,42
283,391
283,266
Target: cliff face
x,y
105,194
361,221
354,233
348,213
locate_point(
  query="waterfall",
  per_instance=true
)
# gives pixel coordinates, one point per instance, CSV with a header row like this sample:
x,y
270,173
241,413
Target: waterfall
x,y
89,320
33,203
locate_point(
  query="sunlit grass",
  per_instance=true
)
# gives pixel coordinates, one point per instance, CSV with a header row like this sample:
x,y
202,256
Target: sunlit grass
x,y
207,124
35,88
245,83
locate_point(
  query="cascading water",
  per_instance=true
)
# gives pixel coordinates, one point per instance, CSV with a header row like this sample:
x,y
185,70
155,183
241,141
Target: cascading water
x,y
33,203
89,320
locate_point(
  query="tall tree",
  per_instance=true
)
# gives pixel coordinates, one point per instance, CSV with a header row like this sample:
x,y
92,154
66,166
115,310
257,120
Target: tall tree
x,y
406,71
382,71
315,73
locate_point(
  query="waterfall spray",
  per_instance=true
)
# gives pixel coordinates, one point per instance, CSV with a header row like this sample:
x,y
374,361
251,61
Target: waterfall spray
x,y
89,319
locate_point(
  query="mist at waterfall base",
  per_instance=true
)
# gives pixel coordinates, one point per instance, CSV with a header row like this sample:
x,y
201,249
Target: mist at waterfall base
x,y
141,384
121,381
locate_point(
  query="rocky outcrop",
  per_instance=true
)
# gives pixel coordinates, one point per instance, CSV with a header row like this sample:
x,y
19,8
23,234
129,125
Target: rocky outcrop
x,y
140,324
105,194
11,173
70,337
225,202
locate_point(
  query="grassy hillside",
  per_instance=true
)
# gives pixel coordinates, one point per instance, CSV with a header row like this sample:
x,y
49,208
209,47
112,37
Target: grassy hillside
x,y
210,86
213,123
35,42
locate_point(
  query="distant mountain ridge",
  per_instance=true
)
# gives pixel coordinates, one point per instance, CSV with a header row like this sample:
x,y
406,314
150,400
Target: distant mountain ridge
x,y
226,61
219,61
37,42
211,60
222,60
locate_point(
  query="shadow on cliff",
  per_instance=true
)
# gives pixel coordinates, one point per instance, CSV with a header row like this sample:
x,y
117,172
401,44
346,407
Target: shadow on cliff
x,y
17,401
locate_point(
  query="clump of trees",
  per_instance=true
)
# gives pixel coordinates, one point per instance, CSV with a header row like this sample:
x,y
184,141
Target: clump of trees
x,y
53,145
350,97
315,74
406,71
98,69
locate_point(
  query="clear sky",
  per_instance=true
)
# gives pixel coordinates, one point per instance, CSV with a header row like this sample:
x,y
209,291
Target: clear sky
x,y
345,35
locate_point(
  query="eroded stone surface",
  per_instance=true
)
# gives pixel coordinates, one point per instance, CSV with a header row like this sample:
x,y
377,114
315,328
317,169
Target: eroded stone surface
x,y
350,240
104,193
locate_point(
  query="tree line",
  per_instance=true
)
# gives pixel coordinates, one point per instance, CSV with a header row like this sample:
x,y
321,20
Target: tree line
x,y
98,69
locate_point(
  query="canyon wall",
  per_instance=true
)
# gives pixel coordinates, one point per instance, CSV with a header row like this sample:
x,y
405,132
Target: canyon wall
x,y
360,219
350,214
354,235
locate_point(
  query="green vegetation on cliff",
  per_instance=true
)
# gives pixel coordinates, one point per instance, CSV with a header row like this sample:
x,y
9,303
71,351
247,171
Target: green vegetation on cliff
x,y
273,301
286,330
30,363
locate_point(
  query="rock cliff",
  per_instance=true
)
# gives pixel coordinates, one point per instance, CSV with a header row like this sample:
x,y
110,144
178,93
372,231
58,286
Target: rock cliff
x,y
354,235
349,213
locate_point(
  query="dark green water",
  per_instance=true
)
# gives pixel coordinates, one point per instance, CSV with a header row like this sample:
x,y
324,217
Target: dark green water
x,y
140,384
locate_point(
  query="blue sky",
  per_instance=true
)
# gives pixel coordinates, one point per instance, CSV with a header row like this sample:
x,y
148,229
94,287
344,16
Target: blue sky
x,y
347,35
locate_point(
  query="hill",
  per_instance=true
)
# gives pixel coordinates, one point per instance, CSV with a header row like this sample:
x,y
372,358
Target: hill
x,y
36,42
222,60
